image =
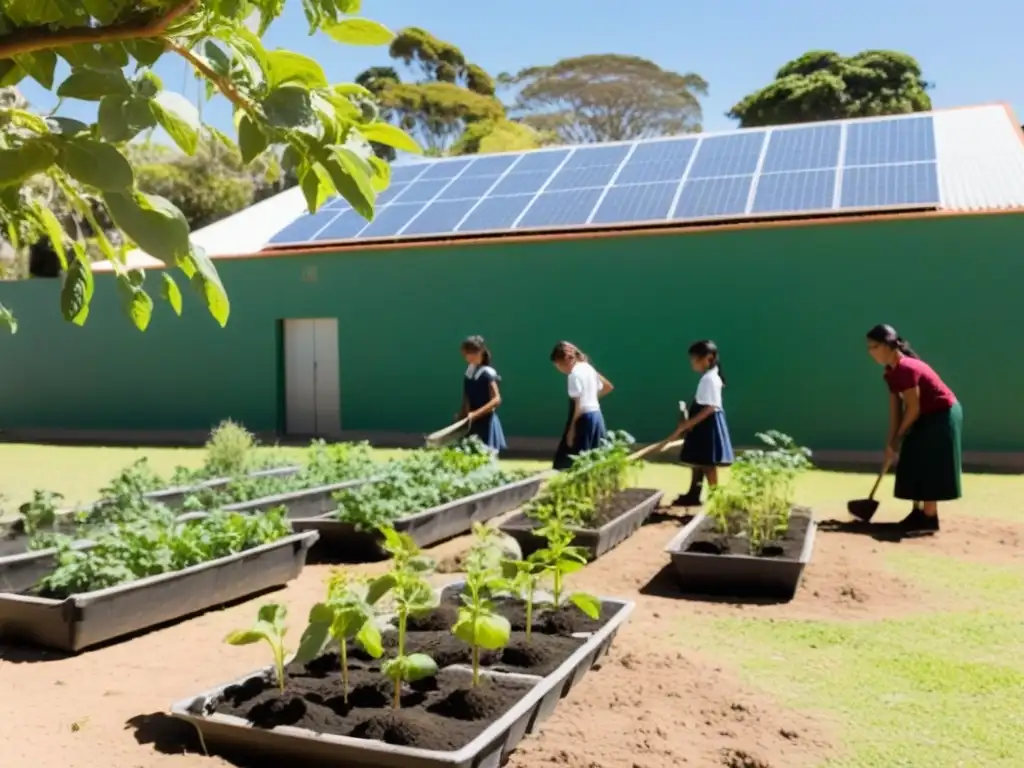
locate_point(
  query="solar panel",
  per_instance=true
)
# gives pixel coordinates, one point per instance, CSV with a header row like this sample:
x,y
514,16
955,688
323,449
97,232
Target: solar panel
x,y
787,170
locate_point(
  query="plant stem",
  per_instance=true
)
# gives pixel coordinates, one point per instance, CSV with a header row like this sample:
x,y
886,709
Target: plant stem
x,y
279,663
396,702
529,611
476,665
556,588
225,86
344,669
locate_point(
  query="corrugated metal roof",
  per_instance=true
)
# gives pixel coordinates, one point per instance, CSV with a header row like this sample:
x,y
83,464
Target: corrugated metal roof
x,y
981,159
980,167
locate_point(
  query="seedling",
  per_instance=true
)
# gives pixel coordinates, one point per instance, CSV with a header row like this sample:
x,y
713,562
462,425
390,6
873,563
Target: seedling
x,y
560,559
347,614
412,596
478,624
270,628
41,513
523,578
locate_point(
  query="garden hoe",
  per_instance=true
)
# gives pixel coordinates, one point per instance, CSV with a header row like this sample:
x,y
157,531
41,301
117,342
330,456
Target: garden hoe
x,y
436,438
864,509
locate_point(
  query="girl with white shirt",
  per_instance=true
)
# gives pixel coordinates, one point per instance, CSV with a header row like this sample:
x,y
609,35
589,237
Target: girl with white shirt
x,y
584,429
708,445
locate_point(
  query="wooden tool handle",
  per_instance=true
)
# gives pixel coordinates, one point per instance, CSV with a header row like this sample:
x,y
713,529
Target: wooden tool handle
x,y
433,437
878,482
649,449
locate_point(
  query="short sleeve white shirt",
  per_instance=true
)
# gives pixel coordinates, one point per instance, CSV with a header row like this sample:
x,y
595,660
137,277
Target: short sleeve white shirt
x,y
584,385
709,389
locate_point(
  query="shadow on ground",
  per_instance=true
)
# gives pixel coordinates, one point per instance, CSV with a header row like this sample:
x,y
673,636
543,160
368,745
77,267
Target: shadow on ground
x,y
666,584
171,736
888,532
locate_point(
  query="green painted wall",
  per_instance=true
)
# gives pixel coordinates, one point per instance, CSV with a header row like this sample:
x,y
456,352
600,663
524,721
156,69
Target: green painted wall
x,y
788,307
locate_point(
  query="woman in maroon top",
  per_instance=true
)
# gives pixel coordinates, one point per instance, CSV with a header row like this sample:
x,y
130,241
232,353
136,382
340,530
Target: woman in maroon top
x,y
925,426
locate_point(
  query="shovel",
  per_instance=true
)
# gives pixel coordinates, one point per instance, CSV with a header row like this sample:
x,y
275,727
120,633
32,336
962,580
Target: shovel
x,y
435,438
864,509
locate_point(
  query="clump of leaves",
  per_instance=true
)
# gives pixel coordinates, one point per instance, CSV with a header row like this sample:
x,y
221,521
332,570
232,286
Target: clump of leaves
x,y
411,595
348,614
420,480
576,495
757,500
229,449
478,624
40,514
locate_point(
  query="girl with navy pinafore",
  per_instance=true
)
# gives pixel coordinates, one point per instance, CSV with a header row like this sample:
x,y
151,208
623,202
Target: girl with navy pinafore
x,y
480,394
584,428
708,445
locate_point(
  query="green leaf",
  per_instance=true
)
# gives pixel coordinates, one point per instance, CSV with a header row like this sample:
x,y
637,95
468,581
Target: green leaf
x,y
490,631
274,614
171,293
289,106
589,604
148,84
352,89
179,118
316,187
137,302
390,136
419,666
369,640
90,85
67,126
219,61
55,232
10,73
379,587
152,223
7,319
39,66
113,119
207,283
76,293
314,638
290,67
245,637
352,181
381,178
145,51
567,566
30,158
359,32
252,142
97,164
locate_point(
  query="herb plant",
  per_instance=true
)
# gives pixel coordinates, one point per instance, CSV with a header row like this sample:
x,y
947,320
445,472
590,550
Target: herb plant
x,y
39,517
559,559
756,502
410,593
347,614
269,628
478,624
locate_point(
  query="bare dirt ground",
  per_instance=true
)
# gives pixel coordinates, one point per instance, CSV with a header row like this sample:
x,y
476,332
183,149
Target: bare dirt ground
x,y
653,704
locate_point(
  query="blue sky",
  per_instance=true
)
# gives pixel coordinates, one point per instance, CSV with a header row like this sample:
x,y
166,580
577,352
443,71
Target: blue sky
x,y
968,51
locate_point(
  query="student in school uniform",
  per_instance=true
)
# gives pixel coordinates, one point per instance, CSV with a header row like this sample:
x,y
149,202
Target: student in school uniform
x,y
708,445
584,428
480,394
925,428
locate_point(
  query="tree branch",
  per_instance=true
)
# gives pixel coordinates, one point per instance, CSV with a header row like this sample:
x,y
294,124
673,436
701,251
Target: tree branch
x,y
35,39
224,85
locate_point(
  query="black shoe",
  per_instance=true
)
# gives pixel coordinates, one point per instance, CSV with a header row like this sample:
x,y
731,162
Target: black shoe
x,y
687,500
918,522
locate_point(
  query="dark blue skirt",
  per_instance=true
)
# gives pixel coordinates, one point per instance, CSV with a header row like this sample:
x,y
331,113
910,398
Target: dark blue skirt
x,y
590,431
708,444
488,429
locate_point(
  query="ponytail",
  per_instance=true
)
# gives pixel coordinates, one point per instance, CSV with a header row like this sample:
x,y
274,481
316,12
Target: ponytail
x,y
887,335
477,344
708,348
905,348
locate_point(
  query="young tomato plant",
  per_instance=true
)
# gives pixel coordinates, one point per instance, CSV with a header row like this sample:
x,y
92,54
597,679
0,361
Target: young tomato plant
x,y
478,624
560,559
411,595
347,614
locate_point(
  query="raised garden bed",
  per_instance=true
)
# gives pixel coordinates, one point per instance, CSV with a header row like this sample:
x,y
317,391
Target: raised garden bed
x,y
443,719
751,540
311,502
47,612
175,497
346,540
614,521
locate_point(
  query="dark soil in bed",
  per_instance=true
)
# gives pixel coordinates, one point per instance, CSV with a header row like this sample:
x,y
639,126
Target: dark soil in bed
x,y
441,713
565,621
788,547
618,505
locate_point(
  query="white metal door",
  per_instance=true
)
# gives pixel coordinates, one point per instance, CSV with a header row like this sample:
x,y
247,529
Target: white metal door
x,y
312,396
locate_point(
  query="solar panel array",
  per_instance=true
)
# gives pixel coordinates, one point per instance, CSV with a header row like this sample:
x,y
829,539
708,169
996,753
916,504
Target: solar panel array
x,y
866,164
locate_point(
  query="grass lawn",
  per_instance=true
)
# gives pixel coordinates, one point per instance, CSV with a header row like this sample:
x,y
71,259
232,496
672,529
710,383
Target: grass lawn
x,y
935,689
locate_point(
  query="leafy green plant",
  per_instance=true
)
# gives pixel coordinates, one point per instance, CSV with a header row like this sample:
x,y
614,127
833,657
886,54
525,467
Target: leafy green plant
x,y
478,623
576,495
410,593
270,628
228,449
39,514
523,578
560,559
756,502
346,615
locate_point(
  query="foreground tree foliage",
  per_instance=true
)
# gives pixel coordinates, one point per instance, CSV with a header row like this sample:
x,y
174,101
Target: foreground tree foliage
x,y
450,106
607,97
281,100
822,85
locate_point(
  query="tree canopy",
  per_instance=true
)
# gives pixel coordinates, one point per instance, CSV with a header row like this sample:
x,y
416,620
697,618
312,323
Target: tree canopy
x,y
607,97
822,85
281,100
449,104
